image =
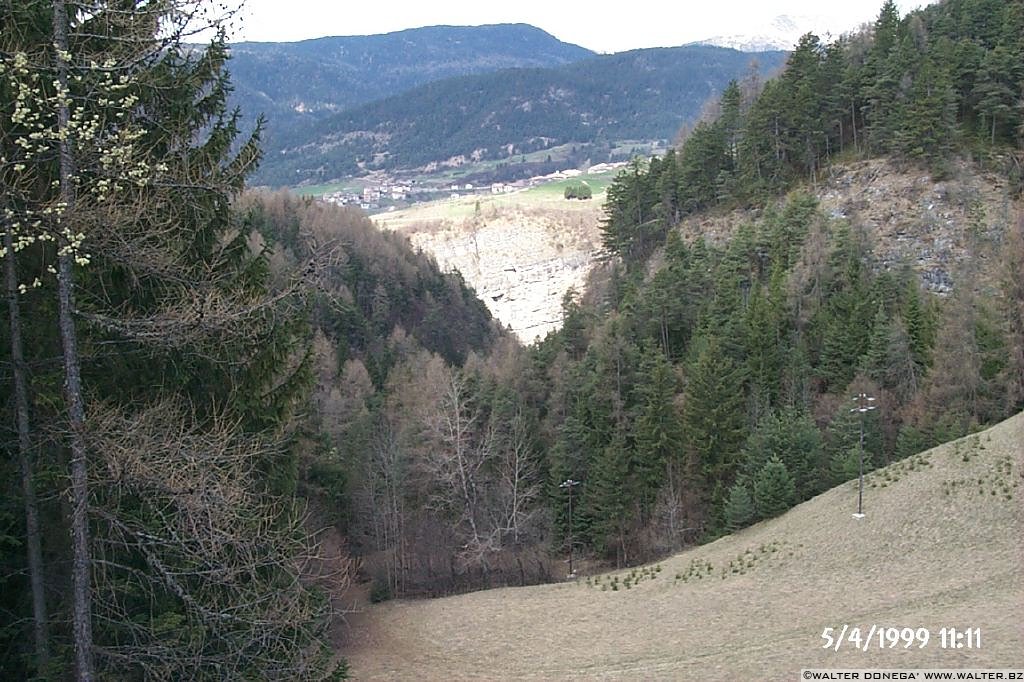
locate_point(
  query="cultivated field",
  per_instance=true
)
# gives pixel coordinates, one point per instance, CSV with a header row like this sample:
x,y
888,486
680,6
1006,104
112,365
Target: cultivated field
x,y
546,197
942,546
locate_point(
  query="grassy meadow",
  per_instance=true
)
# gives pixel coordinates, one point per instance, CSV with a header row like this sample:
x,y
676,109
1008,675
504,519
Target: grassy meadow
x,y
544,199
942,545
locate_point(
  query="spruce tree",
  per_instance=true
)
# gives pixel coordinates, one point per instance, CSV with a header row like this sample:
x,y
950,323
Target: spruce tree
x,y
774,491
632,226
764,337
657,430
739,507
714,412
792,437
152,261
610,497
844,465
920,323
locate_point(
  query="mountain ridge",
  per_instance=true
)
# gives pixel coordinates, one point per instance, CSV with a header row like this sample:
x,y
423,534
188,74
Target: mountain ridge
x,y
293,81
781,32
639,94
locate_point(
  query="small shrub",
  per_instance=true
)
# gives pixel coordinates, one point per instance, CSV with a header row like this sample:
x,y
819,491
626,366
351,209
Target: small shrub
x,y
380,592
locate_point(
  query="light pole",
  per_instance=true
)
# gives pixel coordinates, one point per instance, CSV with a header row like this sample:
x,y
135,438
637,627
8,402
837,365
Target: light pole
x,y
863,405
569,484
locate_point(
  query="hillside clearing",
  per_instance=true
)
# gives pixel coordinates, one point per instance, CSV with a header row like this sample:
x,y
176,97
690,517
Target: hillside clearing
x,y
942,546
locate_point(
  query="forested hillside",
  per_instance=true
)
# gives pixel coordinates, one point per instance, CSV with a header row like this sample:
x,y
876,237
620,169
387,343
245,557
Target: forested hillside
x,y
940,82
637,95
291,83
717,388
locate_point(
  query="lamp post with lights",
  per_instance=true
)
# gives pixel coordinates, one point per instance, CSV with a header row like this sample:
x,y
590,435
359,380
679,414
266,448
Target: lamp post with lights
x,y
864,404
569,484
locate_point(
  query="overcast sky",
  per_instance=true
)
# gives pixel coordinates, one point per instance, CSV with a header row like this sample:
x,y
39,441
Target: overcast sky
x,y
633,24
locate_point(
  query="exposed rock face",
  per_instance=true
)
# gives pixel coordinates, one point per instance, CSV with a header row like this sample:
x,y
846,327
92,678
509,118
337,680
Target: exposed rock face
x,y
934,226
520,261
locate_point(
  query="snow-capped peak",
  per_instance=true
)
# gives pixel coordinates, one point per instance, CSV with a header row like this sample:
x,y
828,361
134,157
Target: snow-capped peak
x,y
781,32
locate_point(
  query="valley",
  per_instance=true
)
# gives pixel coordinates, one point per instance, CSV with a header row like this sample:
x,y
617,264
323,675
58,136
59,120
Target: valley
x,y
521,252
486,356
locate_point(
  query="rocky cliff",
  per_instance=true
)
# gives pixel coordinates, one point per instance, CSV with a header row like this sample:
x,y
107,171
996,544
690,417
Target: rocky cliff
x,y
521,259
934,225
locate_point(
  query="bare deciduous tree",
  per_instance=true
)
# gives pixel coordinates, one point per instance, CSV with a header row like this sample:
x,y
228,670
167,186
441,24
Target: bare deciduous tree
x,y
458,447
385,480
517,471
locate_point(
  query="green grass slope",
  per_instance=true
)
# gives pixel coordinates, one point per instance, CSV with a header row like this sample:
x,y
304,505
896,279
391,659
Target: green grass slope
x,y
942,545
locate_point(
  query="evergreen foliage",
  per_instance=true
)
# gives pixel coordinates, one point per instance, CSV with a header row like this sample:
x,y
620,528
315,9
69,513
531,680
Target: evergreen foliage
x,y
739,507
242,352
941,80
581,191
696,391
191,361
774,491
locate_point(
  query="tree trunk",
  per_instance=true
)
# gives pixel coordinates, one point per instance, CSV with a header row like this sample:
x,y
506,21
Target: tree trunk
x,y
853,123
81,622
32,534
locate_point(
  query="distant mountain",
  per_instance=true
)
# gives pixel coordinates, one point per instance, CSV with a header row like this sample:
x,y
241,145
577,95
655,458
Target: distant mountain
x,y
293,82
779,33
638,95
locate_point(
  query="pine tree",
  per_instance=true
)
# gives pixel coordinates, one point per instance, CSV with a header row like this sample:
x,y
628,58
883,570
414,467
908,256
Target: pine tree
x,y
657,430
609,497
714,412
928,127
152,260
910,441
920,324
884,71
844,465
805,122
739,507
791,437
632,227
764,338
774,491
874,361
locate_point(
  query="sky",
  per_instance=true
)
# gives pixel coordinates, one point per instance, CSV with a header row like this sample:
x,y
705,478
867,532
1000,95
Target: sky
x,y
634,24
